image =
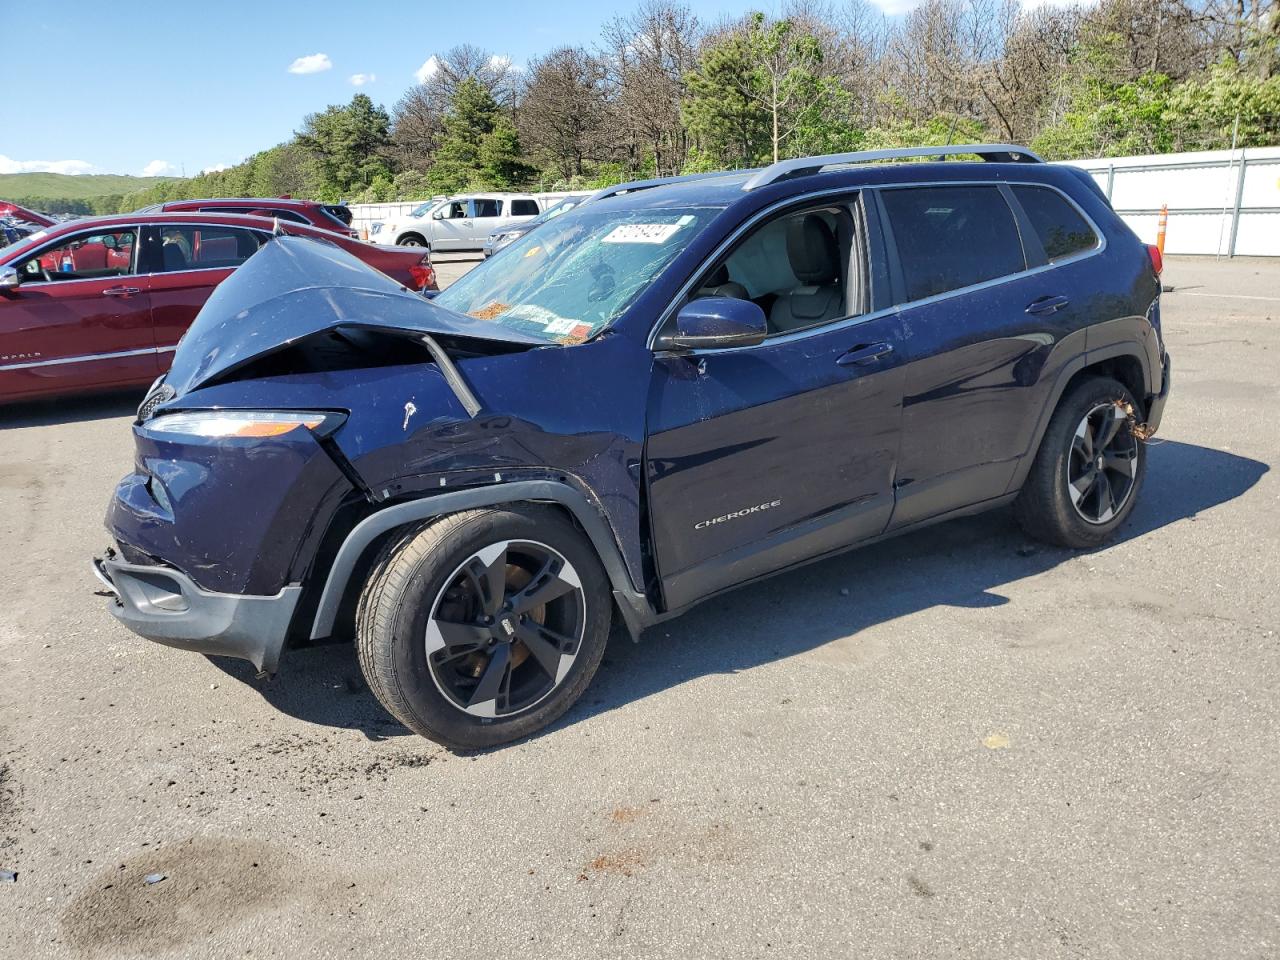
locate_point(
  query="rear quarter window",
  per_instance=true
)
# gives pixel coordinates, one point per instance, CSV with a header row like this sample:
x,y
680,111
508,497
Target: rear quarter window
x,y
1063,232
952,237
524,208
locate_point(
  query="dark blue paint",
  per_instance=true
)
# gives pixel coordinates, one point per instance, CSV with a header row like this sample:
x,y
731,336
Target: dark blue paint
x,y
834,436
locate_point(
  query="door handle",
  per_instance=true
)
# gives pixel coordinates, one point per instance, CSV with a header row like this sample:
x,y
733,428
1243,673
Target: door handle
x,y
864,354
120,291
1047,305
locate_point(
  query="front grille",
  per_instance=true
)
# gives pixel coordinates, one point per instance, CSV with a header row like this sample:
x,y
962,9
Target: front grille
x,y
158,395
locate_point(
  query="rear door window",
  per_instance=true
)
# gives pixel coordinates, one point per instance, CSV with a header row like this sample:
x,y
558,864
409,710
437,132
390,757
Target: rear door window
x,y
204,247
1063,232
487,208
952,237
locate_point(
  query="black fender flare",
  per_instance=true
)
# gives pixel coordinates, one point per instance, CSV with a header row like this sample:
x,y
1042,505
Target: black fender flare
x,y
1065,375
635,607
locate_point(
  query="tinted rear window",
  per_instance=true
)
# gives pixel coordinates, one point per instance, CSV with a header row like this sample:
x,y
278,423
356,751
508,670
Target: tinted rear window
x,y
1061,229
488,208
339,211
524,208
952,237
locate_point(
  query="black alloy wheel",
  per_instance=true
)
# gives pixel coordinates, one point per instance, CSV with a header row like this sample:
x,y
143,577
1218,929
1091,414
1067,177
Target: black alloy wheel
x,y
1102,466
506,628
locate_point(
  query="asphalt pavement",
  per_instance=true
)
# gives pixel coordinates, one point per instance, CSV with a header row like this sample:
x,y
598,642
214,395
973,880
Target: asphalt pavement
x,y
953,744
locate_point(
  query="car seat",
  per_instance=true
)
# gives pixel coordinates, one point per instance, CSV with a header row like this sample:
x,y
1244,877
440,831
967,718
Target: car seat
x,y
814,255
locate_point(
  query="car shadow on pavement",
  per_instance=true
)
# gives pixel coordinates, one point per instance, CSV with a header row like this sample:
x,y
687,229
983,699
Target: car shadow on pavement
x,y
962,563
97,406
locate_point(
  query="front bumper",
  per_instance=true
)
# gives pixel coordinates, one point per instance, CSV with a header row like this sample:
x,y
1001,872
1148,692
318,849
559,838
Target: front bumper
x,y
1155,404
164,605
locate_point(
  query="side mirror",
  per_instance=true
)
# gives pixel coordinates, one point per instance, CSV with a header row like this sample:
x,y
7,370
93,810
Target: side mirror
x,y
716,322
9,278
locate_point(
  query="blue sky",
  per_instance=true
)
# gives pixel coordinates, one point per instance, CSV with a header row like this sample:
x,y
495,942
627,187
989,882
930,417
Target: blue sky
x,y
140,84
178,87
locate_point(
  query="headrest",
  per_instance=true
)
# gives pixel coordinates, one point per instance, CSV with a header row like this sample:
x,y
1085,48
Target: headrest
x,y
812,250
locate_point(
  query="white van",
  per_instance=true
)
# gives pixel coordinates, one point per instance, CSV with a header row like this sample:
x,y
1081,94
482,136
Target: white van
x,y
457,223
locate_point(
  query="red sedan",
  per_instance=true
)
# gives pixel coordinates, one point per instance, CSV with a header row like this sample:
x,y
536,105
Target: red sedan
x,y
334,217
97,303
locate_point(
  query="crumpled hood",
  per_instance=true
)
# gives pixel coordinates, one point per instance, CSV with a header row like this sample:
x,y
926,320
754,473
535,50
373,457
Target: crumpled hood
x,y
295,287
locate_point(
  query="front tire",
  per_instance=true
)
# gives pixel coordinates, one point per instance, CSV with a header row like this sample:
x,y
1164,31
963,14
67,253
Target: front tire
x,y
411,240
485,626
1087,474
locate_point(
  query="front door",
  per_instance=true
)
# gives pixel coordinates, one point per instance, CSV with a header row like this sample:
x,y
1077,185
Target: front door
x,y
761,457
81,317
451,225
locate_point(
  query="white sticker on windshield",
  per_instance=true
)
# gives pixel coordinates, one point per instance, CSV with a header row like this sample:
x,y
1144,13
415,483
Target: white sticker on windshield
x,y
561,325
642,233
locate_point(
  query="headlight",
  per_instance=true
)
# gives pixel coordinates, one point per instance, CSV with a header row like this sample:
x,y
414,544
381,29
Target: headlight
x,y
244,423
375,227
505,238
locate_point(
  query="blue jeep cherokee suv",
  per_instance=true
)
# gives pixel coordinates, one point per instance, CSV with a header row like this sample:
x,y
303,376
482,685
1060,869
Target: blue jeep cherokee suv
x,y
673,390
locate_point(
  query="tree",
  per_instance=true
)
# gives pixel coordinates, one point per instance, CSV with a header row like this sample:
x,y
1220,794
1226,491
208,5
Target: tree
x,y
563,110
646,57
723,111
479,147
761,93
418,117
347,146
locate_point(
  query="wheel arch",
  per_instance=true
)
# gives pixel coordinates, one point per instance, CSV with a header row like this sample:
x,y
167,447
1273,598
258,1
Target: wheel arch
x,y
413,233
1124,362
362,541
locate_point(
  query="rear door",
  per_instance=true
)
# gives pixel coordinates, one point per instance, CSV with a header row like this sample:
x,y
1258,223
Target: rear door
x,y
80,319
186,262
489,216
760,457
974,340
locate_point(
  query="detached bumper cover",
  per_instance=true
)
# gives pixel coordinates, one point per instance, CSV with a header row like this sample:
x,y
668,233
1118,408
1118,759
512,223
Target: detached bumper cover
x,y
164,605
1155,406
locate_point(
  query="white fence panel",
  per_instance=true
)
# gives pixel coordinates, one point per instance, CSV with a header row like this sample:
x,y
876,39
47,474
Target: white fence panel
x,y
1212,209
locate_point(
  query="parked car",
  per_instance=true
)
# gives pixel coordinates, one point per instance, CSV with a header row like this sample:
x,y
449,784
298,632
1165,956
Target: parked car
x,y
11,230
102,302
662,395
504,236
334,217
457,223
22,213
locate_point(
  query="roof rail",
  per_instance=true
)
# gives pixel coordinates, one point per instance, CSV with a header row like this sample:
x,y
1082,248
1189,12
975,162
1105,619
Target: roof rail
x,y
806,166
635,185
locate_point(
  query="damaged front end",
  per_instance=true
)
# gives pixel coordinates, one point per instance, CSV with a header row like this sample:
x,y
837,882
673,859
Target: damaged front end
x,y
238,469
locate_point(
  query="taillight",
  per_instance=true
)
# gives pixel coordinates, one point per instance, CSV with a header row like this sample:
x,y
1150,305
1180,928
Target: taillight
x,y
424,275
1157,261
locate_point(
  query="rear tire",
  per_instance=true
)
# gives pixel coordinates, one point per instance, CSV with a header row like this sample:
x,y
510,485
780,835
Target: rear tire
x,y
484,626
1089,470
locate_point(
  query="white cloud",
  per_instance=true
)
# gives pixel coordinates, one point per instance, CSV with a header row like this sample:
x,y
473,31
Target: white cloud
x,y
360,79
428,69
217,168
159,168
73,167
498,63
316,63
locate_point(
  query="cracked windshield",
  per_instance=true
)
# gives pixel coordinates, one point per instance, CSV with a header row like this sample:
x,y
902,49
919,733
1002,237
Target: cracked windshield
x,y
575,275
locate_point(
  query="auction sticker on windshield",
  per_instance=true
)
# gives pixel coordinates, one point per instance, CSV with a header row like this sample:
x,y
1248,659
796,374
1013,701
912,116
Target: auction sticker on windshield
x,y
642,233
